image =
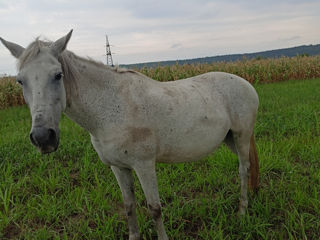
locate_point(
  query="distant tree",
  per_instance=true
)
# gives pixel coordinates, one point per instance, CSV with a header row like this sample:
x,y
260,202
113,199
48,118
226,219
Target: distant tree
x,y
303,55
259,57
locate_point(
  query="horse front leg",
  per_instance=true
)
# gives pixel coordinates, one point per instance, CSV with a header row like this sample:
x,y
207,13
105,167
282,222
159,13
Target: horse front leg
x,y
148,179
125,181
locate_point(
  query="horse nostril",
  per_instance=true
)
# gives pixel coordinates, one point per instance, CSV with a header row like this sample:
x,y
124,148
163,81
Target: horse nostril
x,y
45,139
33,141
52,135
41,136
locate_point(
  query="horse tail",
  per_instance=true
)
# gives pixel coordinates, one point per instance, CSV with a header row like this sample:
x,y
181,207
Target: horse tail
x,y
254,165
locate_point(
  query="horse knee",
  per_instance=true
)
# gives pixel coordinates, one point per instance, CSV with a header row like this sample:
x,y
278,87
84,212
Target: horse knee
x,y
155,211
129,209
244,167
244,171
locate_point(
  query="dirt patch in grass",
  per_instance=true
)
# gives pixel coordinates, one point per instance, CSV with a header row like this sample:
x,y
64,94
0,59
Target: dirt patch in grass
x,y
11,231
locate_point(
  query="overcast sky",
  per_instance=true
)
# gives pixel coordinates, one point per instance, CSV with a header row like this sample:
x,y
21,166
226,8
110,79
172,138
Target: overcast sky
x,y
148,30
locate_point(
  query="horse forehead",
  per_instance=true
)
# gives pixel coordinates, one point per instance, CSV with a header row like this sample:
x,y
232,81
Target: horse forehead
x,y
43,58
41,67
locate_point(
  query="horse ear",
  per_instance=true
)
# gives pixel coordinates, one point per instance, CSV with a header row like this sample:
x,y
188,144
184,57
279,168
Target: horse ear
x,y
15,49
61,44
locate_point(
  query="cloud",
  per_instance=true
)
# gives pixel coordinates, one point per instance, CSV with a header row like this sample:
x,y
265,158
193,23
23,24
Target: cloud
x,y
149,30
288,39
176,45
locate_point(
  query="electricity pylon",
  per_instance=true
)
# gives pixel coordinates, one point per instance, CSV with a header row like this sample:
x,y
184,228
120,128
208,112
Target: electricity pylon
x,y
108,53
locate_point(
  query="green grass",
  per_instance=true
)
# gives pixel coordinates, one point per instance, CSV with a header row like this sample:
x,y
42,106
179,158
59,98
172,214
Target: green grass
x,y
70,194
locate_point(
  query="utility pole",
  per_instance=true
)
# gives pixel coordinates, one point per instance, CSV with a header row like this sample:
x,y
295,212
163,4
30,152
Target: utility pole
x,y
108,53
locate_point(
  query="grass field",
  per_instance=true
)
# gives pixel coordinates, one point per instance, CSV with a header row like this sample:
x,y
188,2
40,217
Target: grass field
x,y
70,194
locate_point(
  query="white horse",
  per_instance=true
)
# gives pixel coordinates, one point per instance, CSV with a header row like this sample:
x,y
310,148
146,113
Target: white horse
x,y
135,121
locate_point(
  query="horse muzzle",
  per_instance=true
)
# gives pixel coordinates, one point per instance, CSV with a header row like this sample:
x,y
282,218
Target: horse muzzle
x,y
45,139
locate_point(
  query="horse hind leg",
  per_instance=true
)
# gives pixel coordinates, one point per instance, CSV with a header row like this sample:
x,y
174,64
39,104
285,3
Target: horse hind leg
x,y
239,143
253,158
242,144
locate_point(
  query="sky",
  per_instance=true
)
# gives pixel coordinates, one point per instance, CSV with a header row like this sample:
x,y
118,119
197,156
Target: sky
x,y
148,30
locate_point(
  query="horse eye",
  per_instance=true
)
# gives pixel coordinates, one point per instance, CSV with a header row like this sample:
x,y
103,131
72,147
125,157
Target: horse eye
x,y
58,76
20,82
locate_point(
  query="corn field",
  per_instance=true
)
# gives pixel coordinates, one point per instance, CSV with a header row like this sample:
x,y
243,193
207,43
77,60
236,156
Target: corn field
x,y
10,93
255,71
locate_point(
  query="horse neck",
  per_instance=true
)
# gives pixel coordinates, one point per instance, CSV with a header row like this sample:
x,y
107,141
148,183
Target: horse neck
x,y
88,91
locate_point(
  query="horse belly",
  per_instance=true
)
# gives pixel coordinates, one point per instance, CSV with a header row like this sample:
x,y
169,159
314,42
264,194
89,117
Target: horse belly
x,y
192,146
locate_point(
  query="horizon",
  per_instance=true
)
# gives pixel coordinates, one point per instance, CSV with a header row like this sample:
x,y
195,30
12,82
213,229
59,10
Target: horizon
x,y
268,50
149,31
172,60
